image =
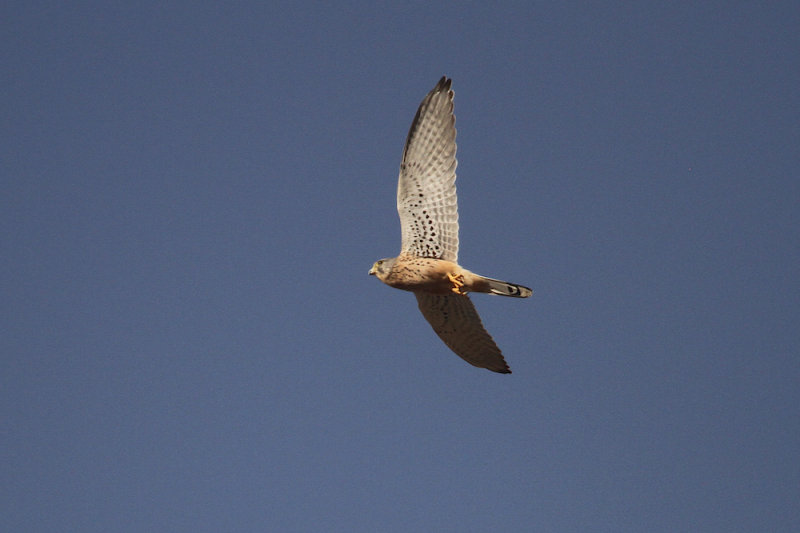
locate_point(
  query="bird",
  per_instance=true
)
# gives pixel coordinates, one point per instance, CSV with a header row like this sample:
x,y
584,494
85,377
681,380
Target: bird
x,y
428,261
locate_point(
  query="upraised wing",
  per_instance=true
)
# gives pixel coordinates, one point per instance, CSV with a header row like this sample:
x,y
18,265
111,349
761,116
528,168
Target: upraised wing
x,y
426,189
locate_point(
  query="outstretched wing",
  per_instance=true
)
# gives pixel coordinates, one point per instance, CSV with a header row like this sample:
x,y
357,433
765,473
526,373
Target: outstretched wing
x,y
455,320
426,190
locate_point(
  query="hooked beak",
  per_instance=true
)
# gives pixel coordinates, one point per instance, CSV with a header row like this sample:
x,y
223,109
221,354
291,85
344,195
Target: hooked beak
x,y
372,271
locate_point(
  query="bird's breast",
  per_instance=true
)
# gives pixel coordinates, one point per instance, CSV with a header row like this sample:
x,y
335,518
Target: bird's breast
x,y
422,274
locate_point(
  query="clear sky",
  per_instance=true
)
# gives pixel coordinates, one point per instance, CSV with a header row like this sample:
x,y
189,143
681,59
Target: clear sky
x,y
193,193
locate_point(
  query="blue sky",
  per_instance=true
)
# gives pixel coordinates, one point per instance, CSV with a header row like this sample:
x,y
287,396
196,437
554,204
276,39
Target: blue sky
x,y
193,194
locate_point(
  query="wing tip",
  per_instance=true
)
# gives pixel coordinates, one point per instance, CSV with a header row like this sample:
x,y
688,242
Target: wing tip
x,y
443,85
501,367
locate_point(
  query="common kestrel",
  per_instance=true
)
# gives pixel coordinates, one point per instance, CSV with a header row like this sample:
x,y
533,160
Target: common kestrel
x,y
428,260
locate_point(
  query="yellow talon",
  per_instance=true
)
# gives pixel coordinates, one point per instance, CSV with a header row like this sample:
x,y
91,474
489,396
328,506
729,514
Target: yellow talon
x,y
458,283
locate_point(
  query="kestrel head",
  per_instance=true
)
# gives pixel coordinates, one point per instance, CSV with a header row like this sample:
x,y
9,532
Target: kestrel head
x,y
382,268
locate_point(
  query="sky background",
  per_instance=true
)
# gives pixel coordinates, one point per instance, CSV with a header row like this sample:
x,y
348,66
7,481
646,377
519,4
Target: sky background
x,y
193,193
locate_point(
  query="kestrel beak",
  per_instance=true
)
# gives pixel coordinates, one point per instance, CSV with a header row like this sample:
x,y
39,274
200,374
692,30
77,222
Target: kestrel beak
x,y
372,271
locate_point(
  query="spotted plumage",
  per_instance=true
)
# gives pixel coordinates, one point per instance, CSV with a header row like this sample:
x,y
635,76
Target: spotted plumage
x,y
428,261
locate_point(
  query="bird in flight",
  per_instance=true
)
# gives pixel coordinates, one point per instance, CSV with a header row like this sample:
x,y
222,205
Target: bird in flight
x,y
428,261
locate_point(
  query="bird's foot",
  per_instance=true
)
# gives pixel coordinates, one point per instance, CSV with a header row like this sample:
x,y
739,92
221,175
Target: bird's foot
x,y
458,283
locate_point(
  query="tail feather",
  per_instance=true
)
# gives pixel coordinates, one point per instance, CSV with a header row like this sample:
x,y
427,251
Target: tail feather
x,y
504,288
